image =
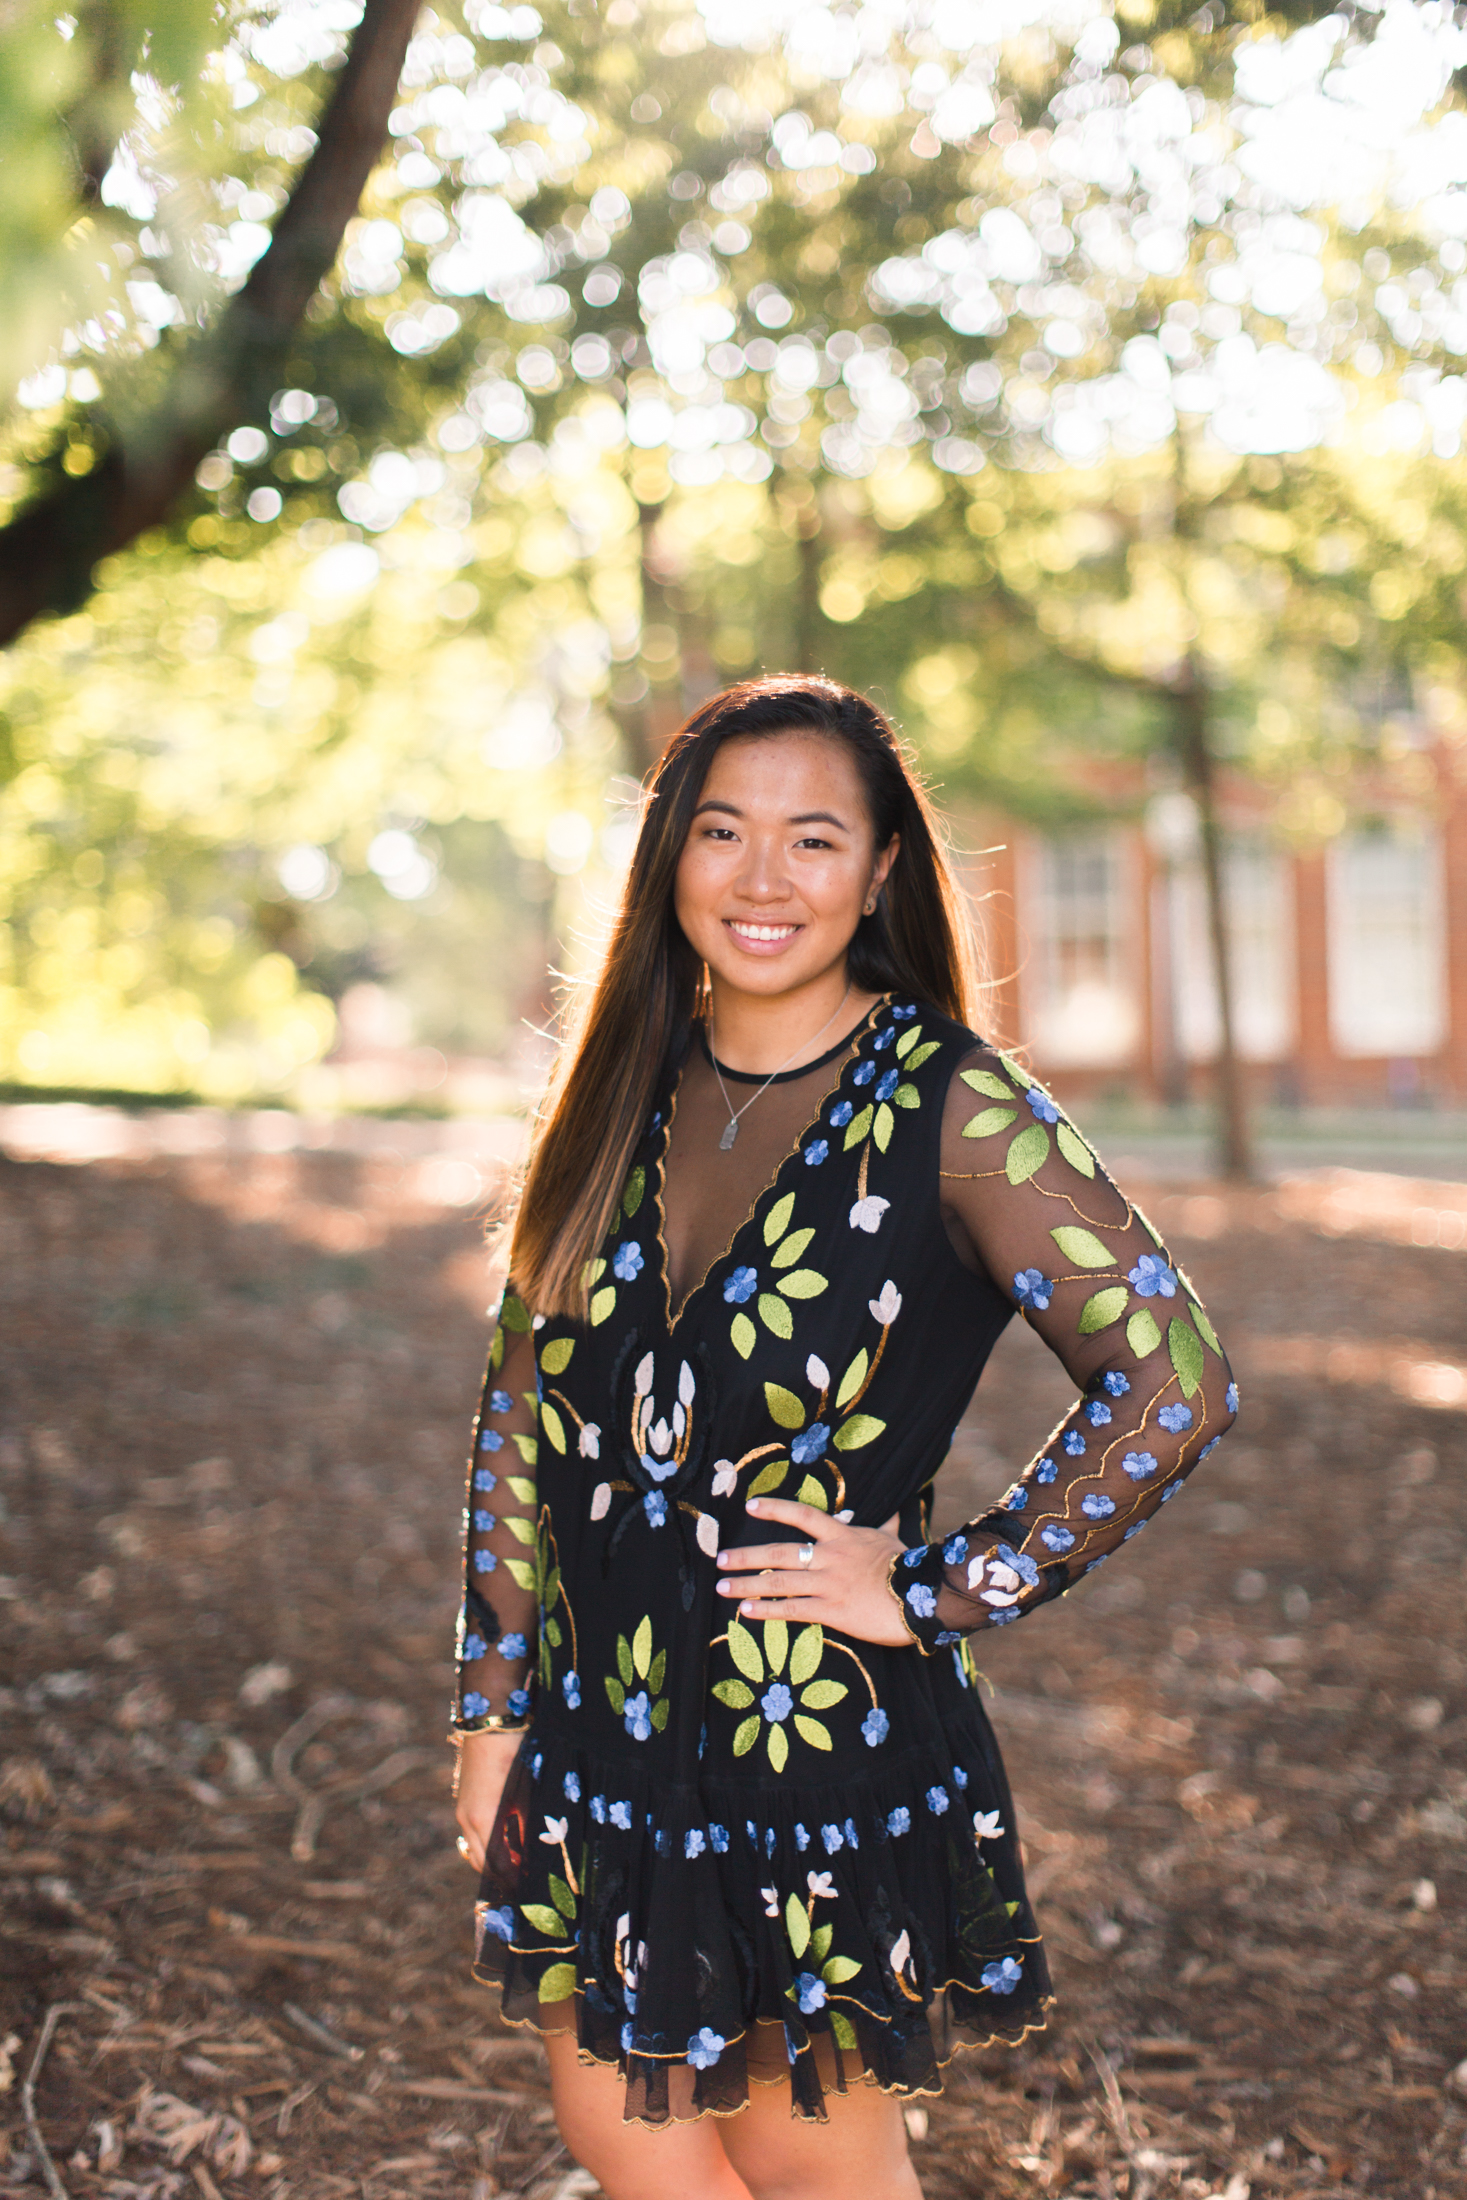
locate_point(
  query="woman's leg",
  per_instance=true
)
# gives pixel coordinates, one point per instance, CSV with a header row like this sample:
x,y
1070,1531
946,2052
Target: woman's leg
x,y
680,2162
860,2154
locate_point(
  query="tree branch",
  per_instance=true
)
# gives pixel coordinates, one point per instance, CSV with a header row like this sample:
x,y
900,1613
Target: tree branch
x,y
47,554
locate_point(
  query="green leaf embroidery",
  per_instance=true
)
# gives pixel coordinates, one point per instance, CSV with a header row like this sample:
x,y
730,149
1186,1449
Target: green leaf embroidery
x,y
884,1124
769,1478
1186,1355
744,1651
552,1587
923,1054
544,1919
659,1713
843,2031
788,1253
745,1737
552,1633
802,1283
820,1942
907,1041
777,1221
554,1427
776,1644
778,1747
514,1314
811,1731
811,1492
743,1335
736,1694
624,1659
1074,1149
991,1120
906,1096
805,1657
775,1314
601,1305
857,1128
984,1080
656,1672
852,1379
1021,1077
527,1447
824,1695
522,1487
561,1896
558,1983
784,1406
797,1925
1142,1334
1099,1312
631,1198
1012,1908
593,1271
860,1430
523,1531
642,1646
1028,1152
520,1572
839,1969
1083,1247
555,1356
1205,1329
616,1695
496,1350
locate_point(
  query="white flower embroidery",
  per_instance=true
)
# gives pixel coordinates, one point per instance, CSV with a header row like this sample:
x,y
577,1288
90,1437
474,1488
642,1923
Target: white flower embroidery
x,y
817,1374
685,1384
820,1883
679,1420
1001,1576
901,1953
771,1901
642,1380
601,1501
987,1825
590,1446
848,1515
659,1440
867,1213
707,1533
997,1597
725,1478
554,1834
886,1309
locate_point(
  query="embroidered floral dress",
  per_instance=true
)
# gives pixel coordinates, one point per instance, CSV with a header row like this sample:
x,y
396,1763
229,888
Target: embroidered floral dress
x,y
737,1850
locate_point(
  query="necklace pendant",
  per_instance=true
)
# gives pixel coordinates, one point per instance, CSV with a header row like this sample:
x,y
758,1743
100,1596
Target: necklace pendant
x,y
730,1133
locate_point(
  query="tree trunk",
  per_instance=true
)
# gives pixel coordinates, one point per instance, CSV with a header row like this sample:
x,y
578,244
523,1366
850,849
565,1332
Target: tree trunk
x,y
47,554
807,601
1192,712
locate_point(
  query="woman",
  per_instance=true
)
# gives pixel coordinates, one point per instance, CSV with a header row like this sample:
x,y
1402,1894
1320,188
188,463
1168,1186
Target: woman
x,y
744,1832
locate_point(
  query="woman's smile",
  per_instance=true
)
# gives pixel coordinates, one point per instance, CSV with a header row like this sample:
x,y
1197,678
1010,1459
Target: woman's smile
x,y
760,938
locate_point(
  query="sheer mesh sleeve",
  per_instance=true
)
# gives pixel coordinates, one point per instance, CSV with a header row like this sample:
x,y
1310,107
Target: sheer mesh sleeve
x,y
497,1625
1090,1274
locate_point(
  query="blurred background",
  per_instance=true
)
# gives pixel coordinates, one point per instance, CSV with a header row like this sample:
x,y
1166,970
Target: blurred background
x,y
406,417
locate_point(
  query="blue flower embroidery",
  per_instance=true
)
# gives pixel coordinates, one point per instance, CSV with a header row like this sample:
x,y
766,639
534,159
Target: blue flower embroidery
x,y
1152,1275
1096,1506
898,1820
572,1784
864,1073
770,1840
484,1562
512,1646
937,1800
816,1152
474,1647
490,1440
882,1041
776,1703
570,1688
1115,1385
1003,1977
598,1809
960,1778
1033,1288
888,1084
903,1015
1097,1413
1134,1529
1170,1491
637,1716
810,1444
1055,1538
694,1843
853,1839
915,1555
627,1262
500,1922
1211,1445
1041,1106
1001,1619
500,1401
875,1727
810,1992
519,1704
943,1637
485,1480
1017,1498
475,1705
1175,1418
705,2047
841,1114
1140,1465
484,1523
621,1816
654,1505
921,1599
1074,1442
718,1835
1231,1397
833,1838
740,1286
1023,1566
1046,1470
627,2036
802,1838
955,1550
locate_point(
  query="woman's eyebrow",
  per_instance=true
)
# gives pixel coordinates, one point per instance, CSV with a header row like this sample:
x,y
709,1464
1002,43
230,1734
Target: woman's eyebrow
x,y
821,817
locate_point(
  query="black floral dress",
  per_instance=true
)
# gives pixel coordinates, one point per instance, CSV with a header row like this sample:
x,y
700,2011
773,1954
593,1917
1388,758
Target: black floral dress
x,y
734,1850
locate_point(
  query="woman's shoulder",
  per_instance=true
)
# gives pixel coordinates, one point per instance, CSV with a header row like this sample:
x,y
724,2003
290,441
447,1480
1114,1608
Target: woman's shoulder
x,y
919,1023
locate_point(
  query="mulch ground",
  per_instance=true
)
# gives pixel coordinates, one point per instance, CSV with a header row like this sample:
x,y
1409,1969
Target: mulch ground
x,y
233,1404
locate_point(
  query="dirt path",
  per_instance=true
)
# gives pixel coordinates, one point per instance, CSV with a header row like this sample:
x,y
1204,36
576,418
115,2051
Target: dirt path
x,y
233,1400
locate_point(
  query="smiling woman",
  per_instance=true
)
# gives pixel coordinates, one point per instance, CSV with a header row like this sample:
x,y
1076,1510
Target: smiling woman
x,y
744,1834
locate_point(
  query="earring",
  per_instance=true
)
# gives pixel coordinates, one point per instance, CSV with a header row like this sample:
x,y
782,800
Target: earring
x,y
869,907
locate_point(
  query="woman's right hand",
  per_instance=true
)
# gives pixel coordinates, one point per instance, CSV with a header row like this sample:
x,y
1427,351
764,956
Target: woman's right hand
x,y
484,1762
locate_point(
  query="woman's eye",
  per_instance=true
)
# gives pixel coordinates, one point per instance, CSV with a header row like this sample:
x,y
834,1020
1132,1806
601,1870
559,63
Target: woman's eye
x,y
812,840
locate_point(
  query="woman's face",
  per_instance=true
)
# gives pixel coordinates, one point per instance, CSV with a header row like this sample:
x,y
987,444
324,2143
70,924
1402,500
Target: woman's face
x,y
779,863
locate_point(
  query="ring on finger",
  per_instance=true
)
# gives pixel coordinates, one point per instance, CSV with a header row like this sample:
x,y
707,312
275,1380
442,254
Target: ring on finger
x,y
463,1849
805,1553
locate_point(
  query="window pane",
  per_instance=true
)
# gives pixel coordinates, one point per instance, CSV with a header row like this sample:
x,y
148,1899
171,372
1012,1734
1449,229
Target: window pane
x,y
1387,953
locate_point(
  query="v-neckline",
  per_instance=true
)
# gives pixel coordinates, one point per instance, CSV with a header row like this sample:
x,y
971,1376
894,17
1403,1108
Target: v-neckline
x,y
659,1196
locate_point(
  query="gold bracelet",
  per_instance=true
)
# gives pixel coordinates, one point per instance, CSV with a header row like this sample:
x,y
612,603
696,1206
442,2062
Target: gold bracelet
x,y
488,1722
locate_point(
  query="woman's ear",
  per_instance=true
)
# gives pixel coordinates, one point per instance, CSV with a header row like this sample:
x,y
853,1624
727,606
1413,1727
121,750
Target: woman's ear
x,y
882,869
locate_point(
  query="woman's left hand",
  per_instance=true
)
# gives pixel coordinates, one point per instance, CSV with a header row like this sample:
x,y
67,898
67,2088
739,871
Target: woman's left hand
x,y
844,1584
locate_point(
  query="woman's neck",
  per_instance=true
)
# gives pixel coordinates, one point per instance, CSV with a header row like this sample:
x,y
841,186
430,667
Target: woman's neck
x,y
760,1033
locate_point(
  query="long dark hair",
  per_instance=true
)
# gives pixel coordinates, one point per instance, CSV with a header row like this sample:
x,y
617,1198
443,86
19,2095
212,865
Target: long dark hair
x,y
917,940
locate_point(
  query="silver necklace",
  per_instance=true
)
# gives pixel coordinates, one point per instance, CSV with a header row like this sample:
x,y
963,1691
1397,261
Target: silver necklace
x,y
731,1127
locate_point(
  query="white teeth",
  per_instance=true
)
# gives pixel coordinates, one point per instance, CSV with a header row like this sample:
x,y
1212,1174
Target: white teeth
x,y
763,931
